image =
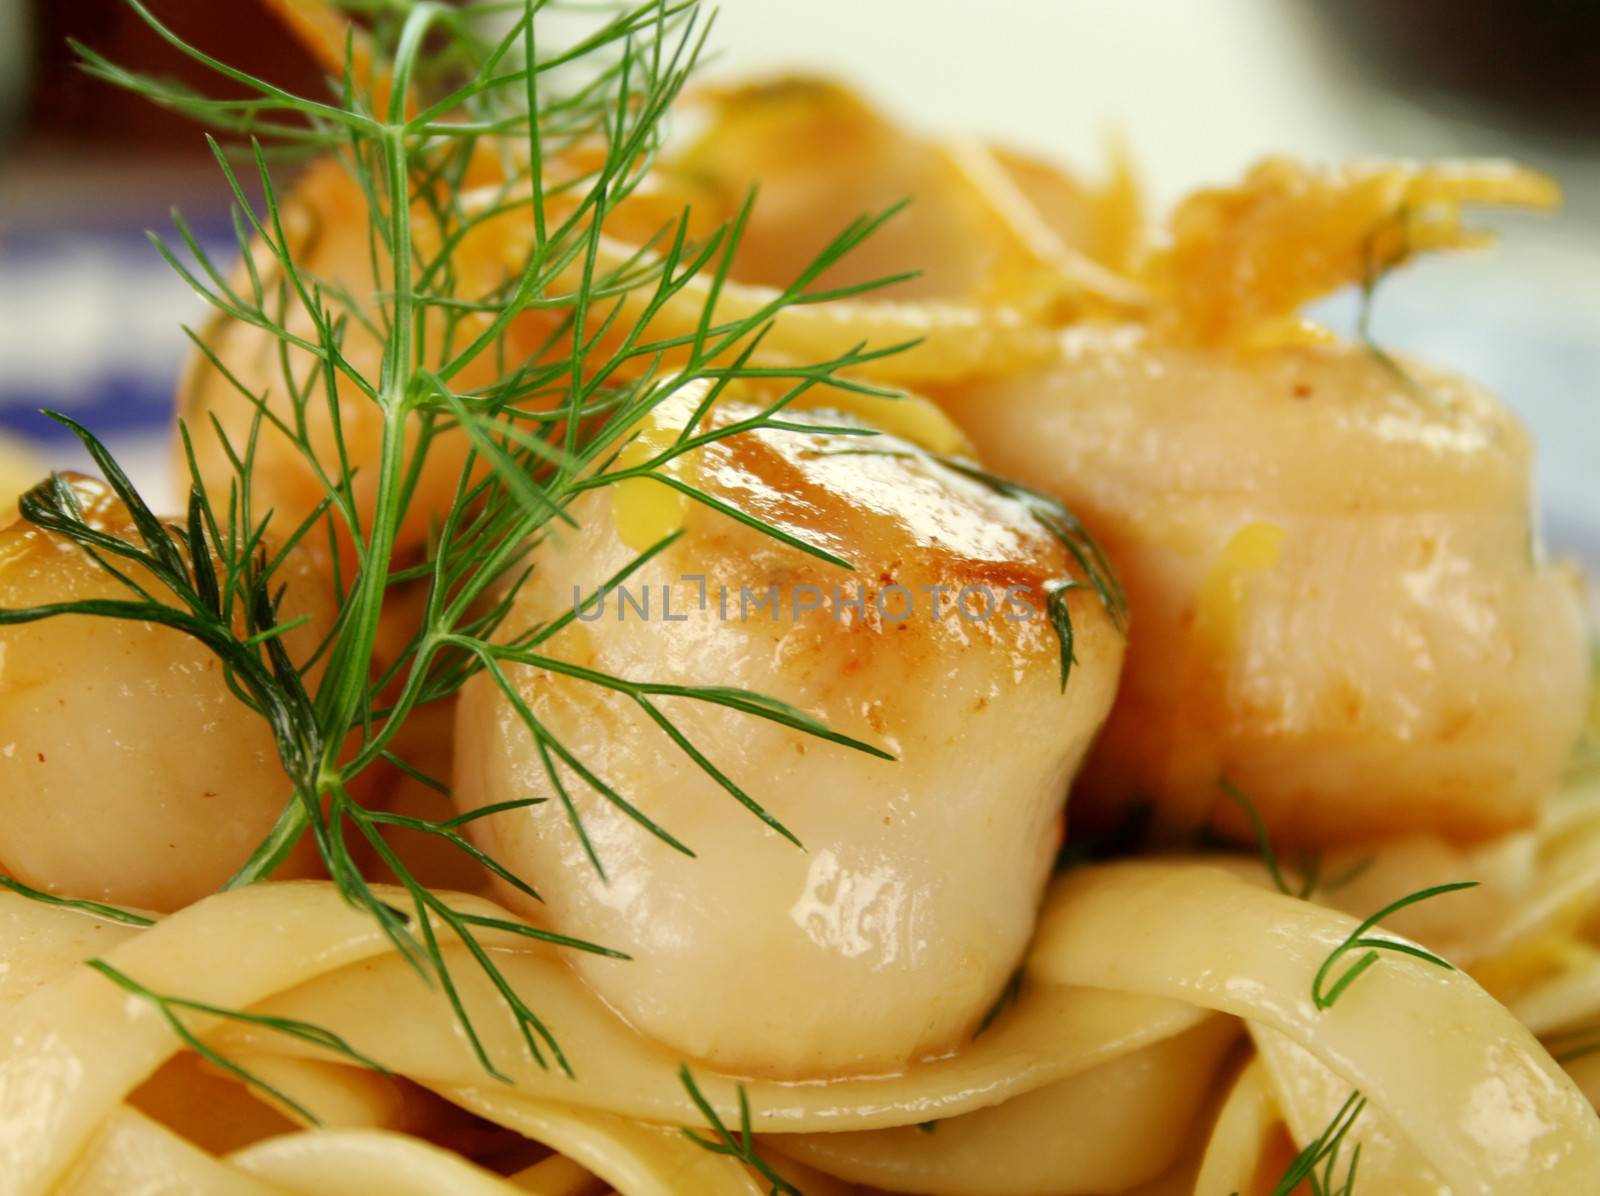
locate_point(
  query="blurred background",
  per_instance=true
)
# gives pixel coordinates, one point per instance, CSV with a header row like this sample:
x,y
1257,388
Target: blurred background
x,y
89,316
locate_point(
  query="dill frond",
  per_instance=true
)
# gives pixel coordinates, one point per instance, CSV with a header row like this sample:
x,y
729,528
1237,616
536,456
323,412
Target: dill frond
x,y
171,1007
739,1145
1324,993
1323,1152
96,909
426,107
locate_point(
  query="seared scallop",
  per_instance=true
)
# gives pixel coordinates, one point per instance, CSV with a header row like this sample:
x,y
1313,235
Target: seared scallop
x,y
913,875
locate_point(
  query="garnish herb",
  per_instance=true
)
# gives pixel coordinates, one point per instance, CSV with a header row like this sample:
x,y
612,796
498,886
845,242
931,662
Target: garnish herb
x,y
1309,865
1349,876
1323,1152
1064,527
170,1007
109,913
1374,271
1067,531
1324,994
425,107
741,1145
1310,868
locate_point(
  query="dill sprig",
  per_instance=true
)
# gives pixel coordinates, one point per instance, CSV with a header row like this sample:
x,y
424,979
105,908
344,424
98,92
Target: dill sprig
x,y
1065,528
1309,864
97,909
424,105
1323,1152
1374,269
1324,994
739,1145
171,1007
1310,868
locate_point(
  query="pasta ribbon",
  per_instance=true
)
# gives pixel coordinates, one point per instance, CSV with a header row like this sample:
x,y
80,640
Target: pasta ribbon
x,y
1479,1098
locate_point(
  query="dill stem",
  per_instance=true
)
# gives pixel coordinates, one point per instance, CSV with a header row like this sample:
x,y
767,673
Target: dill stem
x,y
514,482
349,667
279,841
377,743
